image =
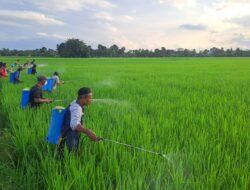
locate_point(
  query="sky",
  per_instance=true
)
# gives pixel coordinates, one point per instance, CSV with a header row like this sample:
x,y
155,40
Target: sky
x,y
134,24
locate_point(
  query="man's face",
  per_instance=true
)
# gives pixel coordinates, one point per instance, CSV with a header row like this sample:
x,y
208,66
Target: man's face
x,y
44,82
87,100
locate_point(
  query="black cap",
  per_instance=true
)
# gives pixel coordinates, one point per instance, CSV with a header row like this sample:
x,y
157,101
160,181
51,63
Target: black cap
x,y
84,91
56,73
41,78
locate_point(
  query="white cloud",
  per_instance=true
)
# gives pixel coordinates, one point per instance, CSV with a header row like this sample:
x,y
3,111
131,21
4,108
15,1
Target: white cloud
x,y
110,27
104,16
194,27
68,5
179,3
12,24
127,18
42,34
169,23
123,41
11,38
27,17
113,18
241,40
61,37
224,10
242,21
54,36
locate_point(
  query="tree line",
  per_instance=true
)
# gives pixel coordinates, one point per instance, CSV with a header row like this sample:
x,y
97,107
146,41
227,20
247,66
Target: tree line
x,y
77,48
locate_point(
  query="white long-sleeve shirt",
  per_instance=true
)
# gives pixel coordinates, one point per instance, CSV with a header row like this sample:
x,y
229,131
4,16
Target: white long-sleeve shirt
x,y
76,114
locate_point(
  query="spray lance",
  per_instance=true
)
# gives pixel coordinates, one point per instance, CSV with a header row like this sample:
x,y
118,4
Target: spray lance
x,y
59,100
94,100
133,147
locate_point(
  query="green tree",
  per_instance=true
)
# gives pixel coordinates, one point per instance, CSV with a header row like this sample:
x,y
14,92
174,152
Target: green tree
x,y
73,48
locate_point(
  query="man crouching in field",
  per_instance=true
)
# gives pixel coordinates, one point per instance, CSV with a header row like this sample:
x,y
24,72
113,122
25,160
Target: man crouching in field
x,y
73,122
36,93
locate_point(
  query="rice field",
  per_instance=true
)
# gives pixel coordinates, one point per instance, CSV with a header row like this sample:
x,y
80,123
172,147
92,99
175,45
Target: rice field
x,y
194,110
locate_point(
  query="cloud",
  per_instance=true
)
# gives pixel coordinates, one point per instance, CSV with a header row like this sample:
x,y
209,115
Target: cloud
x,y
68,5
12,24
26,18
198,27
243,21
104,16
225,10
179,3
54,36
11,38
110,27
134,25
241,40
42,34
127,18
239,1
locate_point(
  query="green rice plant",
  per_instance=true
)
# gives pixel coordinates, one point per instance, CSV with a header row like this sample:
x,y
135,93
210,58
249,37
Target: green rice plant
x,y
195,110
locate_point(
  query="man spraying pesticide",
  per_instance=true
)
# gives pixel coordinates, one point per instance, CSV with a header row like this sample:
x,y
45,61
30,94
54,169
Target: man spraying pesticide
x,y
34,97
17,75
36,93
67,124
56,80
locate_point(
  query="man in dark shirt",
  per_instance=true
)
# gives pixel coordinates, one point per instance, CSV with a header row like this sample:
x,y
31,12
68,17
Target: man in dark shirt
x,y
34,69
17,75
36,93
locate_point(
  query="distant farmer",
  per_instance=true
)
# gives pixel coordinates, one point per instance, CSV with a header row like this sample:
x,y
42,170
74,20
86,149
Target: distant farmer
x,y
36,93
56,80
3,70
34,69
25,65
17,75
17,63
33,62
73,122
12,66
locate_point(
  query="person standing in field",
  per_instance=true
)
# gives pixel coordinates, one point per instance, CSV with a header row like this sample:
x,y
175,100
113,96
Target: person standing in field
x,y
33,69
25,65
36,93
3,71
33,62
56,80
17,75
73,122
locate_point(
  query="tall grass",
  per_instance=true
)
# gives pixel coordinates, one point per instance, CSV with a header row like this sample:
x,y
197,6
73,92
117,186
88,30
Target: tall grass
x,y
194,110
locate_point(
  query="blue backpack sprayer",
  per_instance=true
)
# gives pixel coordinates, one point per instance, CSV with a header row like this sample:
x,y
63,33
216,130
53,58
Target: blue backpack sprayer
x,y
56,124
49,86
25,98
12,77
29,71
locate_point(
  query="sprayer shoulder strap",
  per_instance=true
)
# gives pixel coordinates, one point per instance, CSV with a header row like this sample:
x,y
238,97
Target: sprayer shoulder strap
x,y
66,122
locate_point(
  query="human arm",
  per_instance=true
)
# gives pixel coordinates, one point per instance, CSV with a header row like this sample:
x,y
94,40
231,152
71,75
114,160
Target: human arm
x,y
42,100
38,97
75,123
92,136
58,82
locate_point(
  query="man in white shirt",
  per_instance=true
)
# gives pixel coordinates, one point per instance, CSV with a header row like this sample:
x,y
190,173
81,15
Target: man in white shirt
x,y
56,80
73,122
